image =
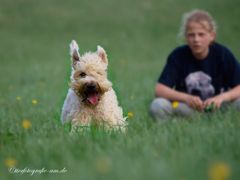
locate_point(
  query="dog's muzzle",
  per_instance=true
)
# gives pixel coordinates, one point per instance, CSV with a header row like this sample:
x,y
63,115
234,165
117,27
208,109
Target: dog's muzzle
x,y
196,92
203,93
91,93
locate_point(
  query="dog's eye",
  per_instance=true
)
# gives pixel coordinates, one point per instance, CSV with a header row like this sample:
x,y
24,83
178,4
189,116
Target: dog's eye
x,y
99,73
82,74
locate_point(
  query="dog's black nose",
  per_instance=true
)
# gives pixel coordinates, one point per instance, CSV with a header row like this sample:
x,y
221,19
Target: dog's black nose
x,y
196,92
91,87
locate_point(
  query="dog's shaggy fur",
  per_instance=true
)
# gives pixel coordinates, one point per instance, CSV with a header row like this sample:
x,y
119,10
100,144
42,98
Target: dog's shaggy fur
x,y
91,98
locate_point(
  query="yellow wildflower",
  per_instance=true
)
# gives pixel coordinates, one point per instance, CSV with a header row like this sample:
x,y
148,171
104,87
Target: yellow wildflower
x,y
103,165
34,101
219,171
26,124
130,115
10,162
175,104
18,98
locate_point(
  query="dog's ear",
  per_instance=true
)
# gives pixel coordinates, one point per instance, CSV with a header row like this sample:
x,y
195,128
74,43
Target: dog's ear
x,y
102,54
74,52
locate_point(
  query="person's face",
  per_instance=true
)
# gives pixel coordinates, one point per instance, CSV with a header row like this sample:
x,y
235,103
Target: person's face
x,y
199,38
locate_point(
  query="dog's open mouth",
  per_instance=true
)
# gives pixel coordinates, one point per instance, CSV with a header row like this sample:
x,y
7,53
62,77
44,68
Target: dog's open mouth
x,y
93,98
91,94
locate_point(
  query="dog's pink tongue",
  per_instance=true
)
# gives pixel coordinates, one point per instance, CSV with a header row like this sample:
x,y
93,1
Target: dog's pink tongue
x,y
93,99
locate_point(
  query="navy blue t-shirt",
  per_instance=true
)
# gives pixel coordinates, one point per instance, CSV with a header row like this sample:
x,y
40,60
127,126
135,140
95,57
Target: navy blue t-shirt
x,y
220,65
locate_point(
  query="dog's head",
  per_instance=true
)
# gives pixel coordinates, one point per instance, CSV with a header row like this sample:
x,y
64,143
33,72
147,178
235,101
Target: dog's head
x,y
199,84
89,74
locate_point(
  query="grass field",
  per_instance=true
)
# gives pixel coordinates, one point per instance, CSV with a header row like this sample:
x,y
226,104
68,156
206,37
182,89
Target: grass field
x,y
137,36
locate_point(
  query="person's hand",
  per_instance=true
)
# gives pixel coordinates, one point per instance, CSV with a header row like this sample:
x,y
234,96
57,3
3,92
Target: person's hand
x,y
195,102
216,101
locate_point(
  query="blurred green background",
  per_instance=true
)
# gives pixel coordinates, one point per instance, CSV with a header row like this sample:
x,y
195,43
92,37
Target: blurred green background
x,y
137,36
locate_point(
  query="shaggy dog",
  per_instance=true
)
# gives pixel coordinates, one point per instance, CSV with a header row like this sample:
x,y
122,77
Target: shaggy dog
x,y
199,84
91,98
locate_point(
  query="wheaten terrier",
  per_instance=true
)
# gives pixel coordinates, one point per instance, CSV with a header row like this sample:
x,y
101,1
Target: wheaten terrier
x,y
91,98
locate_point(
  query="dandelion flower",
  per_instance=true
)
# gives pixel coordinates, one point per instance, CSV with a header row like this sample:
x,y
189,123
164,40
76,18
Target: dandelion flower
x,y
103,165
34,102
219,171
26,124
18,98
10,162
130,115
175,104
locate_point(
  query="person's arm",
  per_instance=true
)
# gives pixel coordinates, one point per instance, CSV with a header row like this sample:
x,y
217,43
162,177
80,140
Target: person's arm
x,y
232,73
164,91
224,97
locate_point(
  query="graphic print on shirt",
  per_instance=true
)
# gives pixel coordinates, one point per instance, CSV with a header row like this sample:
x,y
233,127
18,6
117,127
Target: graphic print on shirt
x,y
199,84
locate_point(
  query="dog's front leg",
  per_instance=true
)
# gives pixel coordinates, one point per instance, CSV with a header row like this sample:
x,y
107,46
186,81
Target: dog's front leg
x,y
70,107
81,122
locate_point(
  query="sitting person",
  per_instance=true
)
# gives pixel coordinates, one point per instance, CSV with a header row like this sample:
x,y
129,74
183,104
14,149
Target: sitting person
x,y
198,74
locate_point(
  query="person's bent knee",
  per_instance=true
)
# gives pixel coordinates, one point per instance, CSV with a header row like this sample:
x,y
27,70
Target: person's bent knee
x,y
160,108
184,110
